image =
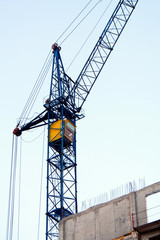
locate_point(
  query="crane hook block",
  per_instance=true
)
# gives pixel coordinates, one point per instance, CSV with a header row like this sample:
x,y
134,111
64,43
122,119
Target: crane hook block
x,y
17,132
54,46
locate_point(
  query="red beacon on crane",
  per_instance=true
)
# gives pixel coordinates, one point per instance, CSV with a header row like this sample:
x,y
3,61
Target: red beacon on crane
x,y
54,46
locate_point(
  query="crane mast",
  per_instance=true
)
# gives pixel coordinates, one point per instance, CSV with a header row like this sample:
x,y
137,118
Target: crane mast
x,y
61,159
62,110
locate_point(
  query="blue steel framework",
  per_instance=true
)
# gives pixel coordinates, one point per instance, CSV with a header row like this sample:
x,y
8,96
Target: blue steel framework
x,y
61,160
65,102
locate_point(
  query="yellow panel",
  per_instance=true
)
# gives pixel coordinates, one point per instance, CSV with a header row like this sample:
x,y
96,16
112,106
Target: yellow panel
x,y
55,131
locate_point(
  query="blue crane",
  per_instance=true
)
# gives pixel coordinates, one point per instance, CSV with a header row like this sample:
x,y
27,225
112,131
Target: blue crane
x,y
62,110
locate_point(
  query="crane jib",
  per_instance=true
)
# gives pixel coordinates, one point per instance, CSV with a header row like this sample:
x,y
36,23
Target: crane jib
x,y
101,51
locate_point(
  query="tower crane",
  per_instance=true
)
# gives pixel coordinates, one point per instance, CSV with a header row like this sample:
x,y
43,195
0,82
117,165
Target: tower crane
x,y
62,110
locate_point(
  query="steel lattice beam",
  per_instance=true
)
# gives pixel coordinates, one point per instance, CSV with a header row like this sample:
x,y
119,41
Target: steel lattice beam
x,y
61,160
101,51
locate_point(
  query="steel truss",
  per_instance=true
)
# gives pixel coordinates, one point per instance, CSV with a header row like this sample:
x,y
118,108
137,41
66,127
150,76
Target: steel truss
x,y
61,160
102,51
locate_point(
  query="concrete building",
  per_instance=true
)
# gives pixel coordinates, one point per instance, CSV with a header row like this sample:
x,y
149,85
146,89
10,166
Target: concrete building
x,y
122,218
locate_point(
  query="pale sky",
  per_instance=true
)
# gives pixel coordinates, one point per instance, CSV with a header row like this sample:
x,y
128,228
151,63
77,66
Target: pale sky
x,y
118,140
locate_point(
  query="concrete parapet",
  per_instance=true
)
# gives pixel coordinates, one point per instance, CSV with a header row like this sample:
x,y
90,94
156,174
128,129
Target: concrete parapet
x,y
109,220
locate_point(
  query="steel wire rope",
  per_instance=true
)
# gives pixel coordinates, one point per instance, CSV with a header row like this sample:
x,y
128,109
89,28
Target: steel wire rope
x,y
153,207
41,183
31,96
34,138
9,197
80,22
153,214
45,72
13,189
19,189
9,227
32,116
35,87
74,20
12,192
89,35
149,216
143,211
147,209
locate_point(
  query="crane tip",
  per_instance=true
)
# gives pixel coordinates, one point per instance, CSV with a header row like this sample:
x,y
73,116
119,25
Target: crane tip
x,y
54,46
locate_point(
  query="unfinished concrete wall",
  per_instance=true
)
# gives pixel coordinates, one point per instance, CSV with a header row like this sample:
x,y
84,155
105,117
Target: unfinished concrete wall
x,y
109,220
141,202
101,222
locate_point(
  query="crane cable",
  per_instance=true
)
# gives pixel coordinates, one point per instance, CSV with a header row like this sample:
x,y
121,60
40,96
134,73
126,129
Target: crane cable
x,y
29,141
12,187
45,69
74,20
11,199
40,195
19,189
36,88
81,21
43,77
27,108
89,35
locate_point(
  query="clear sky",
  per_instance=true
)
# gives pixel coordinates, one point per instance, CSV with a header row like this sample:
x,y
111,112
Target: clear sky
x,y
118,140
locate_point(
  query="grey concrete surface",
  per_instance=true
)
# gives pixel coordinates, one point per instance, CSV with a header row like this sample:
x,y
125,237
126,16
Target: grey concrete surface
x,y
109,220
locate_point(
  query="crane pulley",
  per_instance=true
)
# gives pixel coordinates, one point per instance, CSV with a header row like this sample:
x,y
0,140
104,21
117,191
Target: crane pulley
x,y
62,110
